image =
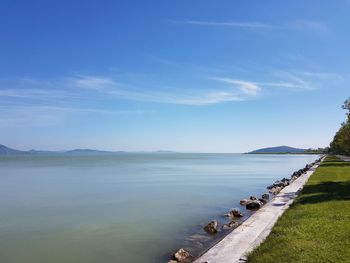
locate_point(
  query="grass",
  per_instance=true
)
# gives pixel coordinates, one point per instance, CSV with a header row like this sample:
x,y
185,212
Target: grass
x,y
316,228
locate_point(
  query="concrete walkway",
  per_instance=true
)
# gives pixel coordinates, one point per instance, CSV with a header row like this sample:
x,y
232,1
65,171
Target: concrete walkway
x,y
255,229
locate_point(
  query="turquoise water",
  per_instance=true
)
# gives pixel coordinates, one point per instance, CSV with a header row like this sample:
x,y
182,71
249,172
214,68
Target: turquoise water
x,y
135,207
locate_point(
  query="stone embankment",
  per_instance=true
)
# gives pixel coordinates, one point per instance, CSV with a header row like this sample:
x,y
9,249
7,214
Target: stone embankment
x,y
248,234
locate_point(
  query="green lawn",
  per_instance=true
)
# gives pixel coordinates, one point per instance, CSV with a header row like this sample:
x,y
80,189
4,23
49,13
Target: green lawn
x,y
316,228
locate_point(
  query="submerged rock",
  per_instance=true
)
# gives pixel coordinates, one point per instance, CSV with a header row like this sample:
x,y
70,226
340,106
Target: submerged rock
x,y
182,255
211,228
230,225
234,213
254,205
244,201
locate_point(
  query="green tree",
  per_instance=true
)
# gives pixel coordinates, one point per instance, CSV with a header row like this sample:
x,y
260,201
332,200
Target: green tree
x,y
346,106
341,140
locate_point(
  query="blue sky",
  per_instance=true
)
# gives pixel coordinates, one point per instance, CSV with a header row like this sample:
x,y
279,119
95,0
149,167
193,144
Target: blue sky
x,y
193,76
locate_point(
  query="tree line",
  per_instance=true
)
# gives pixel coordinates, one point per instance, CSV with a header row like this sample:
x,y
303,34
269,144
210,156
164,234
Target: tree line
x,y
341,140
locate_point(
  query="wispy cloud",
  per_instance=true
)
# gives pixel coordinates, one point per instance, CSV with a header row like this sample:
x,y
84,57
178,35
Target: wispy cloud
x,y
75,93
194,96
247,87
322,75
292,80
32,93
93,82
305,80
300,25
250,25
46,115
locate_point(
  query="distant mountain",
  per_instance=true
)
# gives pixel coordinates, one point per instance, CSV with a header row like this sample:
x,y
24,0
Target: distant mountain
x,y
279,149
4,150
8,151
86,152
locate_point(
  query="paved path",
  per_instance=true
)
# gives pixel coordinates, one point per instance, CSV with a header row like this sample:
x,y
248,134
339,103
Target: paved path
x,y
344,158
255,229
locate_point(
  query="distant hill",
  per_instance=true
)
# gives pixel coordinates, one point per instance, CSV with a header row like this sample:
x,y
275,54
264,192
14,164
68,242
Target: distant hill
x,y
279,149
8,151
86,152
4,150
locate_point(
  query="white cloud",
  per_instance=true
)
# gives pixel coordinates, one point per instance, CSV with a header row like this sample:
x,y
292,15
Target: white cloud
x,y
46,115
250,25
196,96
247,87
282,79
301,25
93,82
81,89
33,93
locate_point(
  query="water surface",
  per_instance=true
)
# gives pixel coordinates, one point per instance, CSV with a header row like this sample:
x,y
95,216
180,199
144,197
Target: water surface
x,y
127,207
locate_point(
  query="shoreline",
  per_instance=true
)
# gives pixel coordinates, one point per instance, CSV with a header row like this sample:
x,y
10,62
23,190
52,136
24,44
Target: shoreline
x,y
240,241
244,232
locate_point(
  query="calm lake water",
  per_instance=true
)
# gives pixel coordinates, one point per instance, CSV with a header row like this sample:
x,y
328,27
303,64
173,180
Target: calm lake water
x,y
130,207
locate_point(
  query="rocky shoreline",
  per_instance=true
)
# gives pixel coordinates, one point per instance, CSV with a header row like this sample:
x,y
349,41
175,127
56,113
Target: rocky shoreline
x,y
235,215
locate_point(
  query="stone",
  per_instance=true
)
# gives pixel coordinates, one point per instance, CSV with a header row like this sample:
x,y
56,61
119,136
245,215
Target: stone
x,y
182,255
293,178
253,198
211,228
244,201
234,213
254,205
262,200
275,190
285,181
230,225
265,196
269,187
279,184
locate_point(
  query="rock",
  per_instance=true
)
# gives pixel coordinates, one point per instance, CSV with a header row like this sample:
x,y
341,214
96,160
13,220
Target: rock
x,y
265,196
252,198
173,261
234,213
182,255
280,184
254,205
211,227
293,178
244,201
275,190
262,200
230,225
269,187
285,181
